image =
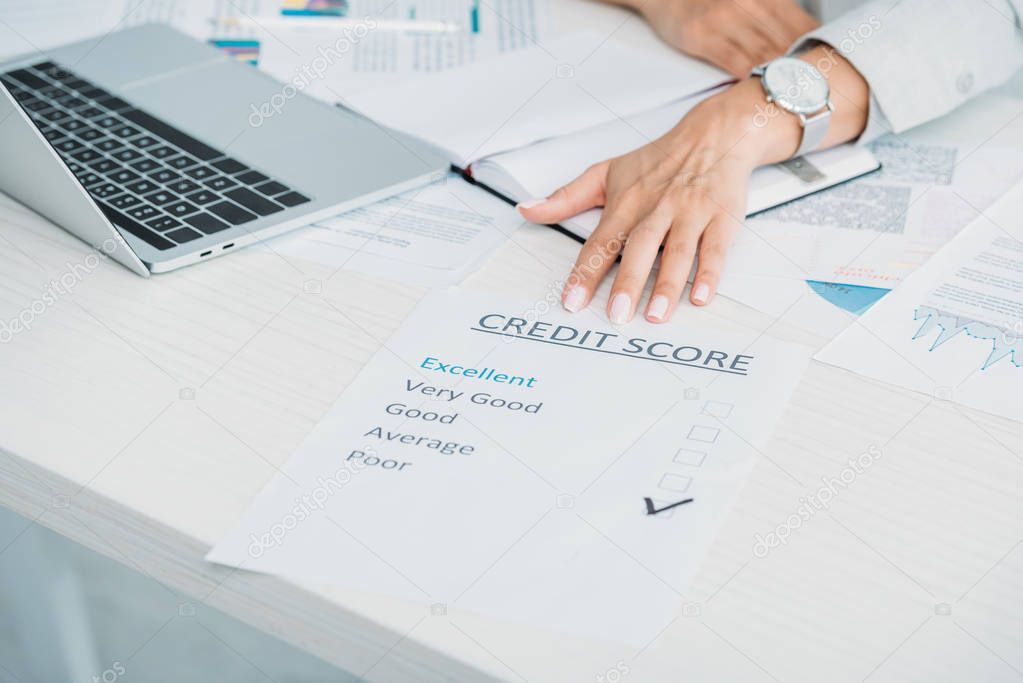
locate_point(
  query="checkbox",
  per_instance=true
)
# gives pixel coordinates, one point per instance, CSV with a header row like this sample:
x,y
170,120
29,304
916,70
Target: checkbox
x,y
675,482
718,409
687,456
704,434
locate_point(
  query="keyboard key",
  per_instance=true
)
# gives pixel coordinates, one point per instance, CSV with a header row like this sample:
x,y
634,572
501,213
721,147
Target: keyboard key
x,y
135,228
115,103
68,146
52,134
127,155
201,172
182,235
230,166
105,166
181,209
183,186
163,152
107,122
90,112
143,212
220,183
232,213
144,141
161,197
206,223
254,202
88,179
252,178
292,199
73,125
202,197
163,223
182,161
86,155
35,105
124,176
271,188
94,93
125,201
145,166
164,175
109,144
75,168
105,190
52,92
141,187
53,115
75,82
28,78
89,134
125,131
71,101
171,134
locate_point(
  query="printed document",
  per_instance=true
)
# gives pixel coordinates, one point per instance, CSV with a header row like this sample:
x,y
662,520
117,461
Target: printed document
x,y
433,236
954,328
388,57
503,457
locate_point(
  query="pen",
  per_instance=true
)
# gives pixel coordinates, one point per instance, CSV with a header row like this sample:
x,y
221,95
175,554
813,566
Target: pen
x,y
336,23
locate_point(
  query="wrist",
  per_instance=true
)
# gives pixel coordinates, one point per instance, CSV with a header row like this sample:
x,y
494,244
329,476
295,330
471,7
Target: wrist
x,y
768,133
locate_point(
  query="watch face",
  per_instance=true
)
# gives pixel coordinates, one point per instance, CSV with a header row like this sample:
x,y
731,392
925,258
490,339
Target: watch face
x,y
796,85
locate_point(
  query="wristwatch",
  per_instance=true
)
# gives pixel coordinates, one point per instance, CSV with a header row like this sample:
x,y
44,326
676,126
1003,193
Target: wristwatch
x,y
798,87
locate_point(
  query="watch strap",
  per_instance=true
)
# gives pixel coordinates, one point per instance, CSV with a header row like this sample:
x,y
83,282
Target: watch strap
x,y
815,127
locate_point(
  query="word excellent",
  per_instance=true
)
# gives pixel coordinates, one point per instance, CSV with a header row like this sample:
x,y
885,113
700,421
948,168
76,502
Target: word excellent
x,y
613,343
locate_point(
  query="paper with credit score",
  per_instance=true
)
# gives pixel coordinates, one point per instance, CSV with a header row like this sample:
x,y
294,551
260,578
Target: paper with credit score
x,y
507,463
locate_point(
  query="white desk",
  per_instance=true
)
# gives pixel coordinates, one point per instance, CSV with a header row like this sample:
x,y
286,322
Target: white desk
x,y
139,418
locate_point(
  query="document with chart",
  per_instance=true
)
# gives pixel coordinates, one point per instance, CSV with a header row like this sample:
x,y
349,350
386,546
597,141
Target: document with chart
x,y
505,458
954,328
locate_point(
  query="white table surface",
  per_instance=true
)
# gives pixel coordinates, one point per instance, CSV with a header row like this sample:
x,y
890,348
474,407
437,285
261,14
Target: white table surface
x,y
915,572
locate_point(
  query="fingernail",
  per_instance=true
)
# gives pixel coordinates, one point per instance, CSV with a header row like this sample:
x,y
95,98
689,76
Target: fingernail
x,y
530,203
658,307
701,293
621,306
575,299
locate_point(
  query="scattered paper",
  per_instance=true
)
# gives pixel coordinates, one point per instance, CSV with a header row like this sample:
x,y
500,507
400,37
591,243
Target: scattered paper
x,y
506,458
433,236
339,63
876,230
954,328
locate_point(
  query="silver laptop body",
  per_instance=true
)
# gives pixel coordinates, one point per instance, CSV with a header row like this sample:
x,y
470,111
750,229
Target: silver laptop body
x,y
264,157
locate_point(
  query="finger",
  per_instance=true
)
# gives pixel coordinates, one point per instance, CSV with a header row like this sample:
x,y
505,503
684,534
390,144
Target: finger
x,y
598,255
676,264
727,56
767,20
637,259
795,20
738,59
756,45
714,244
585,192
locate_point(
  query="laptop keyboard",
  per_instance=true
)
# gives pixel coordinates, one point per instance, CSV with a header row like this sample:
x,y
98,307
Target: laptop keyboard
x,y
149,178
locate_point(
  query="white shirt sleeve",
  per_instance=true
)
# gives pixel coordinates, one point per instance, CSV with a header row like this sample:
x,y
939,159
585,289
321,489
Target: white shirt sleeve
x,y
923,58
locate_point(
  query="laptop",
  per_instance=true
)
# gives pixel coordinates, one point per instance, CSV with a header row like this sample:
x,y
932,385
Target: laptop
x,y
163,152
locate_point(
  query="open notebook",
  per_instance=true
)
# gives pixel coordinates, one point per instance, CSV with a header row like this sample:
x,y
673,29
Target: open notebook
x,y
539,169
526,123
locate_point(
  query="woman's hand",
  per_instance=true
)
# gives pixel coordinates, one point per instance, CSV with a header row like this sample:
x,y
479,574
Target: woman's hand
x,y
734,35
685,190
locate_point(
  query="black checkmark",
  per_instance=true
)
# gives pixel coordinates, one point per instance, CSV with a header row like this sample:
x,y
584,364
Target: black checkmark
x,y
651,510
